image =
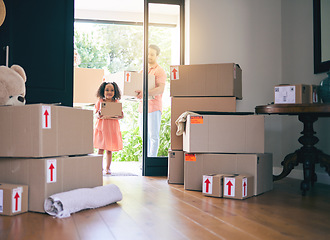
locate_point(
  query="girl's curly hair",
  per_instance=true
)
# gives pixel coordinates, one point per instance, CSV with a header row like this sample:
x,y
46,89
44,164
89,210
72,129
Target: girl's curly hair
x,y
100,91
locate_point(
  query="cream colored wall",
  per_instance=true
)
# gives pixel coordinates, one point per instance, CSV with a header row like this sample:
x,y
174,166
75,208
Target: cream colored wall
x,y
272,41
247,32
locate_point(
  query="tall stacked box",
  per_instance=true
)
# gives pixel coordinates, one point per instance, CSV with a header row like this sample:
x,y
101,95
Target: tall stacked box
x,y
202,87
48,147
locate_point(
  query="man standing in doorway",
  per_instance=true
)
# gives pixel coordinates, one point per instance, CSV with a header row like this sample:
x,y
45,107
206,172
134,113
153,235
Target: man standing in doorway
x,y
155,104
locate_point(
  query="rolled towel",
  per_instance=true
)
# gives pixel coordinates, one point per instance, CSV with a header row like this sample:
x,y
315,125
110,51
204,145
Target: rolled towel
x,y
181,122
63,204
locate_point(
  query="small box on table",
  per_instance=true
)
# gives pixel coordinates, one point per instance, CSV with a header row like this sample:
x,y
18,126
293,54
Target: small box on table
x,y
287,94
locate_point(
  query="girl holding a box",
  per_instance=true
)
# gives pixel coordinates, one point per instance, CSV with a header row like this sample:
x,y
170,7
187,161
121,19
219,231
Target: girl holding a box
x,y
107,134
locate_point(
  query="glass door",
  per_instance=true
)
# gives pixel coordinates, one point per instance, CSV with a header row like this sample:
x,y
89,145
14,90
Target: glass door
x,y
163,47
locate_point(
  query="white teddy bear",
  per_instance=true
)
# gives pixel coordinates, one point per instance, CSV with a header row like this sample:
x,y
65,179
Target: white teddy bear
x,y
12,85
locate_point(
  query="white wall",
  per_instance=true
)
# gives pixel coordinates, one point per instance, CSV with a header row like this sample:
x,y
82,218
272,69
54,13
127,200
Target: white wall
x,y
272,41
297,67
247,32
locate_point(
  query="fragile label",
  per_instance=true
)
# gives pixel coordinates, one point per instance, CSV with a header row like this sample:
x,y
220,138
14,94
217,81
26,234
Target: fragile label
x,y
51,170
1,201
244,187
229,187
46,117
190,157
128,76
196,119
285,94
174,72
207,184
17,200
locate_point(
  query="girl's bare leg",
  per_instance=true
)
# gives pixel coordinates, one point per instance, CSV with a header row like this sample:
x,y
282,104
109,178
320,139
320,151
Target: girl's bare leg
x,y
109,159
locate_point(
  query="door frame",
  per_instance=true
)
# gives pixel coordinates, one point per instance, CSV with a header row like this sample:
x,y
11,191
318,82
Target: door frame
x,y
155,166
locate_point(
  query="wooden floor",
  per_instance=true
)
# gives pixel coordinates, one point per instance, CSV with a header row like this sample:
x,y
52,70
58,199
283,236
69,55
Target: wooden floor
x,y
153,209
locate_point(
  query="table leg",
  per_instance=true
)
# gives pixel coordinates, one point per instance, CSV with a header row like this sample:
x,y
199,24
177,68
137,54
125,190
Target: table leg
x,y
308,155
289,162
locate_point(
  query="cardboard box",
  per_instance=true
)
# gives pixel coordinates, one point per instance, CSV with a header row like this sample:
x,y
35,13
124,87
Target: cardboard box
x,y
129,82
180,105
258,165
41,130
111,109
47,176
224,134
285,94
175,167
238,186
13,199
86,83
213,185
209,80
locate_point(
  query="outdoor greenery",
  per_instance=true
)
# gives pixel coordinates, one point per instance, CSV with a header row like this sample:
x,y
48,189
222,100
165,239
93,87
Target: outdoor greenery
x,y
116,48
132,141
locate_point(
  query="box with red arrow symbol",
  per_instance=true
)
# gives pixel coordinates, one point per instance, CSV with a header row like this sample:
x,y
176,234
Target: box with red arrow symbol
x,y
45,130
238,186
213,185
48,176
13,199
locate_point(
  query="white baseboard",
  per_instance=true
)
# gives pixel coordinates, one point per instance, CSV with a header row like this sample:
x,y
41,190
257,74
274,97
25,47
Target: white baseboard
x,y
298,174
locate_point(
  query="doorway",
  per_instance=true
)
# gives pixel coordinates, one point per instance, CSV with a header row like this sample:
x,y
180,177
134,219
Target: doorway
x,y
109,38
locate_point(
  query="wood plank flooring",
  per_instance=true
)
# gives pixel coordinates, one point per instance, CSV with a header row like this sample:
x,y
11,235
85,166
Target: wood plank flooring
x,y
153,209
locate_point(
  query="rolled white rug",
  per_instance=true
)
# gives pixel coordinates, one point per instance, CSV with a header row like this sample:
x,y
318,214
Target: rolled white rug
x,y
63,204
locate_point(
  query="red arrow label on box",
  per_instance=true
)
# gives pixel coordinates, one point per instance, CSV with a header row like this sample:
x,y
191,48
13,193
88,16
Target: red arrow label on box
x,y
16,201
174,73
51,168
244,189
207,182
229,185
46,118
128,77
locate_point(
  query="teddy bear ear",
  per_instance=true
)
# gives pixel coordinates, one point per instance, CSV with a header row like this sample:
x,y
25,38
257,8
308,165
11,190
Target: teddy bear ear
x,y
19,70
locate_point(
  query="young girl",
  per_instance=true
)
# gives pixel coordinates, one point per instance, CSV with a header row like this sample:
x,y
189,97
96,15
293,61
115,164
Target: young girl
x,y
107,134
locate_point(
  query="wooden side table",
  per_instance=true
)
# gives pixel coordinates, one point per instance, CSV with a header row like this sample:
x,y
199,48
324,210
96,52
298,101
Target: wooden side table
x,y
308,154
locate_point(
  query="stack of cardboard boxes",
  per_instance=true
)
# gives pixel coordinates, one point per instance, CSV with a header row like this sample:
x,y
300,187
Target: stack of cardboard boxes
x,y
219,140
46,149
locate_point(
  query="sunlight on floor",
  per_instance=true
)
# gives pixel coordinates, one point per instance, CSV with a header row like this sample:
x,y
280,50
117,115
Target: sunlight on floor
x,y
126,168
